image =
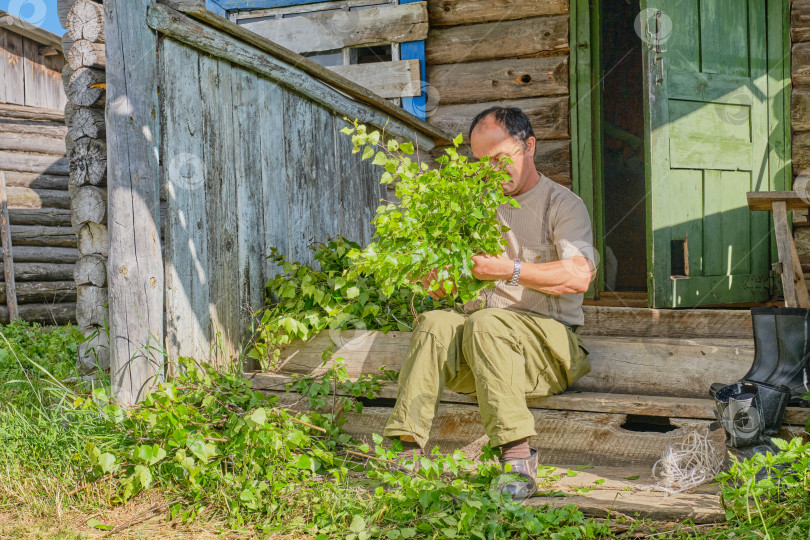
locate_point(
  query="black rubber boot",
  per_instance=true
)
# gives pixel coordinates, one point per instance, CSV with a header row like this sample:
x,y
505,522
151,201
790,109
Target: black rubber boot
x,y
739,413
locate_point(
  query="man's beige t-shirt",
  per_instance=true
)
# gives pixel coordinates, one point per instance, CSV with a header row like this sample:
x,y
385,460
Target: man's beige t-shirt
x,y
551,224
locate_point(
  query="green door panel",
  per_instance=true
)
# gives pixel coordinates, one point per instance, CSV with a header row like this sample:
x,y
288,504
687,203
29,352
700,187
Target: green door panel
x,y
706,138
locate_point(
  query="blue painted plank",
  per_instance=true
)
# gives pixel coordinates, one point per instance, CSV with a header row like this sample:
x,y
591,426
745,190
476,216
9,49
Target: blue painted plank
x,y
214,7
415,50
242,5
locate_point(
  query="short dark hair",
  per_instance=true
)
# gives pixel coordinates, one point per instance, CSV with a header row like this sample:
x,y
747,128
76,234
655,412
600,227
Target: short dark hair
x,y
512,119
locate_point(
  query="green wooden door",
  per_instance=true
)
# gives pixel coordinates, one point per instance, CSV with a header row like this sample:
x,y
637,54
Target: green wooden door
x,y
706,123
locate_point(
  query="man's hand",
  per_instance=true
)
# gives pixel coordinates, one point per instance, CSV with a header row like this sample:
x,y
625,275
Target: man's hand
x,y
440,292
490,268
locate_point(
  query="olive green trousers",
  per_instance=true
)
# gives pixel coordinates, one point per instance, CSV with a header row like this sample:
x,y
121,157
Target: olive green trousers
x,y
496,355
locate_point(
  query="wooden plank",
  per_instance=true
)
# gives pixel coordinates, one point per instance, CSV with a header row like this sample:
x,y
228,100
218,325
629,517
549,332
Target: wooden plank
x,y
618,364
671,323
505,39
292,78
456,12
34,163
359,191
285,7
247,161
763,200
42,271
32,142
12,73
386,79
43,78
496,80
22,112
188,324
800,21
793,285
598,402
548,116
135,254
339,29
8,259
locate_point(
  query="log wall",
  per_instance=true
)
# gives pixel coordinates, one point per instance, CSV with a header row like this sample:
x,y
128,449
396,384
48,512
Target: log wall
x,y
34,163
514,53
800,122
83,77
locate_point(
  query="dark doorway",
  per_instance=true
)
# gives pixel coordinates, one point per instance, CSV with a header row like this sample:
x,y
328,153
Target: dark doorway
x,y
625,254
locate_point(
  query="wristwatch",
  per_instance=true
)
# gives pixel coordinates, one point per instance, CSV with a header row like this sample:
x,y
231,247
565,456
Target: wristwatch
x,y
515,274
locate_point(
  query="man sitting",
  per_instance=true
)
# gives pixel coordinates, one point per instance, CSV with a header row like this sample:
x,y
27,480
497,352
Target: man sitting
x,y
518,339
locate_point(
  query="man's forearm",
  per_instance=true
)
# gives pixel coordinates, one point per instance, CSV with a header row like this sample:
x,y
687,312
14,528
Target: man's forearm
x,y
569,276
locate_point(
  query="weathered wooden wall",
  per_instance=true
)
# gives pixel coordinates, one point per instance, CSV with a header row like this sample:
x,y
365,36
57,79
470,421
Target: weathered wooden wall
x,y
510,52
33,161
248,164
800,121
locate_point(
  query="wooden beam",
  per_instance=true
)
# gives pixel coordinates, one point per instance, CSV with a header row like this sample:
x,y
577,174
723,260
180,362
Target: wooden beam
x,y
496,80
763,200
457,12
135,264
506,39
667,323
793,285
293,77
23,28
386,79
22,112
338,29
8,259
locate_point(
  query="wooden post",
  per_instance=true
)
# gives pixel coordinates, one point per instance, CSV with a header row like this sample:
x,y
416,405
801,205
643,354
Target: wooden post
x,y
793,284
8,259
135,265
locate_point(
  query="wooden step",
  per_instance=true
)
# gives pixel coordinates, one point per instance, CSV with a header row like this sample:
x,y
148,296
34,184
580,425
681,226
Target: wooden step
x,y
624,365
672,323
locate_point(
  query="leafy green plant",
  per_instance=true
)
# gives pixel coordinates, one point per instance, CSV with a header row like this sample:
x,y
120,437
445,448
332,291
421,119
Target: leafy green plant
x,y
770,490
305,300
443,218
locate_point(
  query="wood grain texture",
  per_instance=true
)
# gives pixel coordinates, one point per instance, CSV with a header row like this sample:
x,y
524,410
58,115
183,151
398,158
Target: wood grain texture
x,y
457,12
85,20
84,86
94,354
37,271
793,285
135,263
45,255
548,116
52,314
339,29
85,122
88,204
800,109
91,270
88,162
496,80
291,75
649,366
22,112
800,21
12,73
386,79
21,197
763,200
36,180
34,163
43,78
505,39
93,239
91,306
37,292
49,129
57,217
800,153
158,20
32,142
8,258
85,53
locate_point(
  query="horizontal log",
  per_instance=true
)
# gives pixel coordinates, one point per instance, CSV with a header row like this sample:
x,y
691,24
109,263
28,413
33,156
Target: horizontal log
x,y
499,79
670,407
34,271
35,292
34,235
55,217
800,64
34,163
93,240
800,109
22,197
44,128
338,29
84,86
91,270
800,21
216,36
548,116
22,112
36,180
89,203
85,20
504,39
48,314
84,53
85,122
88,162
553,158
45,254
386,79
618,364
456,12
32,142
91,306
